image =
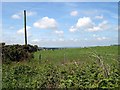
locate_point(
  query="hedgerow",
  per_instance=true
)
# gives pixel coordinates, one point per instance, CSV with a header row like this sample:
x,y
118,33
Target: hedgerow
x,y
17,52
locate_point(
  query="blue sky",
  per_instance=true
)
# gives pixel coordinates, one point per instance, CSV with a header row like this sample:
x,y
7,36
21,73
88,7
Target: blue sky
x,y
61,24
60,0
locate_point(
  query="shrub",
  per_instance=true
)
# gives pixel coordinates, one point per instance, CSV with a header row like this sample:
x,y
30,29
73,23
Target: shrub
x,y
17,52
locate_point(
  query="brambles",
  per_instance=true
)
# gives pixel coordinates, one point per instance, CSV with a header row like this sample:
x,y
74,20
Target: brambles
x,y
49,76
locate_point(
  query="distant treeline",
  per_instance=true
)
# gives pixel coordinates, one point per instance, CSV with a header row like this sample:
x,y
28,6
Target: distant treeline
x,y
17,52
49,48
115,45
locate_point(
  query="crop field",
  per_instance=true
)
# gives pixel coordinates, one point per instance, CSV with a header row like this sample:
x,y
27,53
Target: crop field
x,y
90,67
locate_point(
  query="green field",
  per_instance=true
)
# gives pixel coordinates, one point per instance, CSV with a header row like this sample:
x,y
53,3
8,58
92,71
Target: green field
x,y
92,67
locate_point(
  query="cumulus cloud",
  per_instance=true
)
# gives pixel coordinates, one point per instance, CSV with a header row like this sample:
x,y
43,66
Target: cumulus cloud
x,y
19,15
31,13
87,24
104,24
73,29
101,38
15,16
46,23
98,38
84,22
101,26
74,13
94,29
59,32
99,17
74,39
21,31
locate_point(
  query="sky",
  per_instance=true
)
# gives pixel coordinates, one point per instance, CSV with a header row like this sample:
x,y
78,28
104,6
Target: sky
x,y
61,24
60,0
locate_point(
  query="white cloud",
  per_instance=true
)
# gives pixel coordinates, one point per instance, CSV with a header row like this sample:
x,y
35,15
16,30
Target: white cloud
x,y
84,22
46,23
101,26
15,16
20,14
61,39
21,31
94,29
74,39
74,13
101,38
88,25
59,32
99,17
30,13
72,29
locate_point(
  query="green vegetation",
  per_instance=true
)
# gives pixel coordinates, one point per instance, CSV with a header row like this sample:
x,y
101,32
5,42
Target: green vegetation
x,y
93,67
17,52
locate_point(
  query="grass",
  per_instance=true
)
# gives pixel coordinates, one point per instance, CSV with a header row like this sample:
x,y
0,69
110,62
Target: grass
x,y
108,53
65,68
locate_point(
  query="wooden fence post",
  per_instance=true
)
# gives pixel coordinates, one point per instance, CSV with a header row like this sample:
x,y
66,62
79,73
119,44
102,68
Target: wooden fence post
x,y
64,57
40,57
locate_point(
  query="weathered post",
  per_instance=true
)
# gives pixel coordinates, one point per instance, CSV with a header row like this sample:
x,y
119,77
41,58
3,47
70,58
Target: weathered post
x,y
40,57
25,27
64,58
